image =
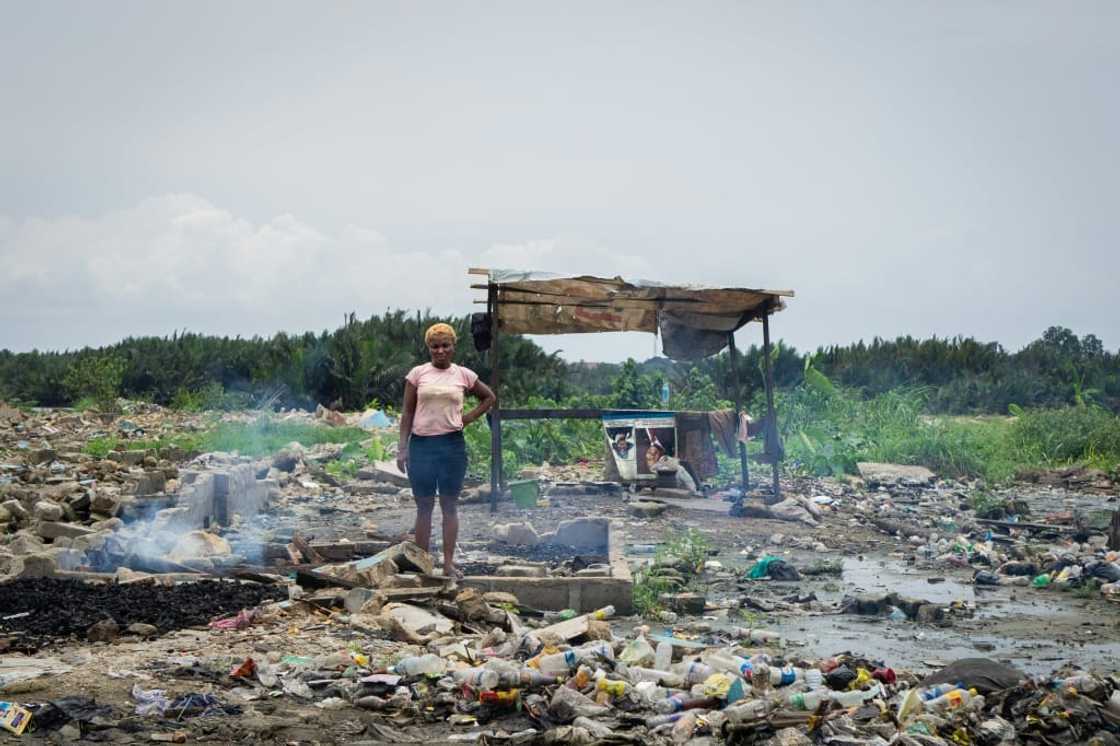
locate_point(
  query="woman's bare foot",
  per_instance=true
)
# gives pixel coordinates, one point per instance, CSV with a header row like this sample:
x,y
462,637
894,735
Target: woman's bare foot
x,y
450,571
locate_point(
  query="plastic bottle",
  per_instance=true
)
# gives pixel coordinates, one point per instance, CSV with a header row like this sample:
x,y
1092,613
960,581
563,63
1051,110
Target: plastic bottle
x,y
509,698
478,678
527,679
647,693
786,675
938,690
664,392
760,677
683,729
857,697
810,700
612,688
582,678
560,616
667,678
724,661
420,665
604,613
950,701
747,710
679,703
638,652
557,664
761,636
660,720
693,672
593,651
1083,683
663,657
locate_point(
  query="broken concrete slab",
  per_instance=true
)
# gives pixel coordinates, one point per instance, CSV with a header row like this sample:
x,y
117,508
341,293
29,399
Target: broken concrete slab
x,y
45,510
416,620
877,473
385,471
407,556
518,534
583,532
57,529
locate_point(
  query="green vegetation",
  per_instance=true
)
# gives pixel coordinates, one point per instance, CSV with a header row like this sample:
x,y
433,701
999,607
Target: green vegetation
x,y
266,435
689,549
94,380
827,430
892,401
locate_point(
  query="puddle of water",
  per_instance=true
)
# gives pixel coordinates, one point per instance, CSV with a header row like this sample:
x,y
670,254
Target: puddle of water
x,y
1029,614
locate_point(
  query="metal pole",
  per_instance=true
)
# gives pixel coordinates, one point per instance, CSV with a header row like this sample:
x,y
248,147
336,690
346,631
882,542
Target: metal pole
x,y
744,468
495,412
771,418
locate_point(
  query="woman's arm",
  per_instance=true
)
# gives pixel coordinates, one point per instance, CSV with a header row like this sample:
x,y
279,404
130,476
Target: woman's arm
x,y
406,425
486,400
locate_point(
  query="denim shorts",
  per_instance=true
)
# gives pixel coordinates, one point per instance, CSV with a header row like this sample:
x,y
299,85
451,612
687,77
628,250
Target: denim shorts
x,y
437,464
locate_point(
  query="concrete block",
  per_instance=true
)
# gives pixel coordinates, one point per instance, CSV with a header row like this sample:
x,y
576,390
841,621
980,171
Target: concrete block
x,y
583,532
58,529
45,510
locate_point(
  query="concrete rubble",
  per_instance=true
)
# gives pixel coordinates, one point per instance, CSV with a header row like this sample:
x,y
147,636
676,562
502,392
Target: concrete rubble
x,y
266,600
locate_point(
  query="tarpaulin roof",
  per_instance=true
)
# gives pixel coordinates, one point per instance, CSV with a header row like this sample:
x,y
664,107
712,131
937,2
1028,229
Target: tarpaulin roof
x,y
694,321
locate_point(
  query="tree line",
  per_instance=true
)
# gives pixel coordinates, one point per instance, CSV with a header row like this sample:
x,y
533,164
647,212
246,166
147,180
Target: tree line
x,y
364,361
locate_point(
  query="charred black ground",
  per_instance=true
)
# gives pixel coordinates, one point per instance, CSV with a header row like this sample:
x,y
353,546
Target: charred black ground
x,y
64,608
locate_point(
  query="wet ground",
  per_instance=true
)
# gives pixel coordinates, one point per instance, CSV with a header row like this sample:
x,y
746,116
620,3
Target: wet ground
x,y
1034,629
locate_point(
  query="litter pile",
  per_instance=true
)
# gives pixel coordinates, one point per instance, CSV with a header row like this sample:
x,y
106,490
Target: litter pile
x,y
487,677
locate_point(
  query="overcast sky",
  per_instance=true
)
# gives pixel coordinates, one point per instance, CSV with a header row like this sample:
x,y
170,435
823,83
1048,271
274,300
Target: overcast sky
x,y
241,168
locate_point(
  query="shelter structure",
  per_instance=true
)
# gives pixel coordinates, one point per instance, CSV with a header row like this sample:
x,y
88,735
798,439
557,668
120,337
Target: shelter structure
x,y
694,322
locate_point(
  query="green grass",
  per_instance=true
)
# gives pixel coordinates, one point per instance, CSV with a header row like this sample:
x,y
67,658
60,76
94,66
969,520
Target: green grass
x,y
265,436
102,447
261,437
690,548
829,432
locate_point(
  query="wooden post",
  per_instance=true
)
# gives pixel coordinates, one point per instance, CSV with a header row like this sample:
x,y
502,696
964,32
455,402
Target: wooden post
x,y
771,418
744,469
496,411
1114,531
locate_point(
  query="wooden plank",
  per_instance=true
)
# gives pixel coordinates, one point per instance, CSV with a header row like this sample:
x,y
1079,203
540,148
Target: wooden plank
x,y
552,414
568,629
306,549
478,271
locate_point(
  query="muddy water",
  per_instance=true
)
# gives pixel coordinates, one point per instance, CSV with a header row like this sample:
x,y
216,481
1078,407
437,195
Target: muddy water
x,y
1036,630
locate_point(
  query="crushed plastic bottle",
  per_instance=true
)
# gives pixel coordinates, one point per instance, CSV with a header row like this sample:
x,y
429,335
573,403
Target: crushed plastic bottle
x,y
420,665
810,700
638,652
478,678
693,672
950,700
663,656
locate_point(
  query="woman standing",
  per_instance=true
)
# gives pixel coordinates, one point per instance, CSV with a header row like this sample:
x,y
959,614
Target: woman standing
x,y
432,450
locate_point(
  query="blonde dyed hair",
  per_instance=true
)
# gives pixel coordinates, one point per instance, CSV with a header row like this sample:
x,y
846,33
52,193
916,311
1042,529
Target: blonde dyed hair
x,y
440,329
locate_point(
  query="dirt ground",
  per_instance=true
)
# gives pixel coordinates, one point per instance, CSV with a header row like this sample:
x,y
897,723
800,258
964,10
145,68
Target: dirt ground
x,y
1035,630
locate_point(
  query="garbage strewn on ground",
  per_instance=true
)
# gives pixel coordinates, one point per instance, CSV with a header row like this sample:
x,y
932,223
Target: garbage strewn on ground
x,y
313,620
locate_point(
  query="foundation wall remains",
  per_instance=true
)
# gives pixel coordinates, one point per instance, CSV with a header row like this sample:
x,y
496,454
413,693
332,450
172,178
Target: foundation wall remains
x,y
583,594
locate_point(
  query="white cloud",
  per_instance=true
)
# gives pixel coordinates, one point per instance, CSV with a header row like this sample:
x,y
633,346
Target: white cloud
x,y
179,262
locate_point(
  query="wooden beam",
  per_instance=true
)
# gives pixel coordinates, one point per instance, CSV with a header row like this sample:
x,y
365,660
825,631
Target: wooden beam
x,y
744,469
478,271
496,410
768,369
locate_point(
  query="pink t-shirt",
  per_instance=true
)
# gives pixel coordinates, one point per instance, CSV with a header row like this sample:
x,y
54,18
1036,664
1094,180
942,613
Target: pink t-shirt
x,y
439,397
